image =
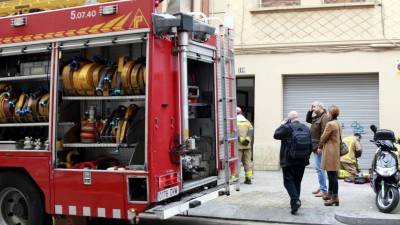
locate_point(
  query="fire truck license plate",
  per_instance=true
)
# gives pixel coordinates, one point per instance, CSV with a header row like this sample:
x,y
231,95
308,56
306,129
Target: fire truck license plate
x,y
167,193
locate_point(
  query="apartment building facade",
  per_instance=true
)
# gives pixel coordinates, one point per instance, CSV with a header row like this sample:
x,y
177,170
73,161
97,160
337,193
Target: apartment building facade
x,y
290,53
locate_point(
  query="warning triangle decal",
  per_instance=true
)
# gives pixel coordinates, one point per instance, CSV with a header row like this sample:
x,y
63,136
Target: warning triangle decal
x,y
139,21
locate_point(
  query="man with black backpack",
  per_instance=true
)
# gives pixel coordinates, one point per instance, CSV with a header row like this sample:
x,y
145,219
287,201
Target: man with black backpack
x,y
296,148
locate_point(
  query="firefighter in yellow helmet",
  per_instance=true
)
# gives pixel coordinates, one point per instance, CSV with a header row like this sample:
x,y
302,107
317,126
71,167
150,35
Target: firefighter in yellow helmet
x,y
244,128
348,162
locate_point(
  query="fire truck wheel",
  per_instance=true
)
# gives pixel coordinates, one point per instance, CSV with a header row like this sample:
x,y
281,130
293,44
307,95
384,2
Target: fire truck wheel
x,y
20,200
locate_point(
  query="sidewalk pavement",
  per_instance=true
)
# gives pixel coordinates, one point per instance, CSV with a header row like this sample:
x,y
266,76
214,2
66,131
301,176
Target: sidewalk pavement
x,y
266,200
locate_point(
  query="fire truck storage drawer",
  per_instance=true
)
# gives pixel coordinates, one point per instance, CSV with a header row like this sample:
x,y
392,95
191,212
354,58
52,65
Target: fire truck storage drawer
x,y
89,188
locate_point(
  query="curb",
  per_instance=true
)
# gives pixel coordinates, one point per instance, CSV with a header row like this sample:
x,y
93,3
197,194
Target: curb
x,y
250,220
354,218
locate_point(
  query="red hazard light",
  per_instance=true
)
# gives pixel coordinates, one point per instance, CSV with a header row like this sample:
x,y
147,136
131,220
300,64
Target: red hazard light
x,y
168,180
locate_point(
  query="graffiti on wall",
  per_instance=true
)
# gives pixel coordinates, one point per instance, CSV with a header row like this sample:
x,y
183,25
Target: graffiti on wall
x,y
357,127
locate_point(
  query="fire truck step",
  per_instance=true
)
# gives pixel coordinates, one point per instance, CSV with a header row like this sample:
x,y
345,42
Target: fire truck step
x,y
232,159
230,99
231,118
230,139
173,208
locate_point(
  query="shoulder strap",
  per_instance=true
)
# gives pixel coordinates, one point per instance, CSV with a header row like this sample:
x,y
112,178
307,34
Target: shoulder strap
x,y
340,131
294,126
290,126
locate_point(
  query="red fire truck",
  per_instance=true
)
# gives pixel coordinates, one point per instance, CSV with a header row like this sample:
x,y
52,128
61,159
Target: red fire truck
x,y
112,109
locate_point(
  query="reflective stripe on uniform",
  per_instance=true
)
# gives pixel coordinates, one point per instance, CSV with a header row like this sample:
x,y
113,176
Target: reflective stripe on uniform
x,y
344,174
249,173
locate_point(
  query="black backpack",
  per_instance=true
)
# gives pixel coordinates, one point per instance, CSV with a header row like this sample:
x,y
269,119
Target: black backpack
x,y
300,144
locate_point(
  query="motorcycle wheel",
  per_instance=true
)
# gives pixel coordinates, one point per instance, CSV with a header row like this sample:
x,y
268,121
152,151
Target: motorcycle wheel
x,y
387,204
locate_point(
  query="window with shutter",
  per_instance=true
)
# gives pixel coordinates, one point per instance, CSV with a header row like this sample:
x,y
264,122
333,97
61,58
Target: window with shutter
x,y
343,1
278,3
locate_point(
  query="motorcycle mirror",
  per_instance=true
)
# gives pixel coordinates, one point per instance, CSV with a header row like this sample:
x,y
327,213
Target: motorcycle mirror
x,y
373,128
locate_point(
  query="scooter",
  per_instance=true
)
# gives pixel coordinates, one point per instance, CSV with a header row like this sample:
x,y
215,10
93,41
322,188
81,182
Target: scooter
x,y
385,173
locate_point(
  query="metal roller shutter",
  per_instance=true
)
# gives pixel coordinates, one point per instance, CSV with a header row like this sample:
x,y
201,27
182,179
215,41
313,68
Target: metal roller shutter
x,y
357,96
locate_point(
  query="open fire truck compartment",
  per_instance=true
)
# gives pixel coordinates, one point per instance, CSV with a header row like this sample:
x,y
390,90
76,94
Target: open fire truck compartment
x,y
110,110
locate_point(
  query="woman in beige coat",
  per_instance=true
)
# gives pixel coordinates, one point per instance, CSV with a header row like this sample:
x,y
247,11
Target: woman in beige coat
x,y
330,144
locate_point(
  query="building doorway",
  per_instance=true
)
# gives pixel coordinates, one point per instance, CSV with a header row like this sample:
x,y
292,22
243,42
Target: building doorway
x,y
245,100
245,96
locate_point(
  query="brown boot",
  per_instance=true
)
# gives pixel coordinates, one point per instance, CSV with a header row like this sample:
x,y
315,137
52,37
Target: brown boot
x,y
316,192
333,201
321,194
327,196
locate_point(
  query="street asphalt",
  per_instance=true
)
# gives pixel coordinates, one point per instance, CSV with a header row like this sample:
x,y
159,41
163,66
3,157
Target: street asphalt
x,y
182,220
266,200
179,220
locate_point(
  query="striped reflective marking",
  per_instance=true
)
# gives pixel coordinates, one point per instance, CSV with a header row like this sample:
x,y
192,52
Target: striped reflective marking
x,y
101,212
96,28
72,210
110,24
116,213
86,211
119,25
59,209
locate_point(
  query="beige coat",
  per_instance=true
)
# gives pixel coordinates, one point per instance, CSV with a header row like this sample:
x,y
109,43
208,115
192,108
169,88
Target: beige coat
x,y
330,141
